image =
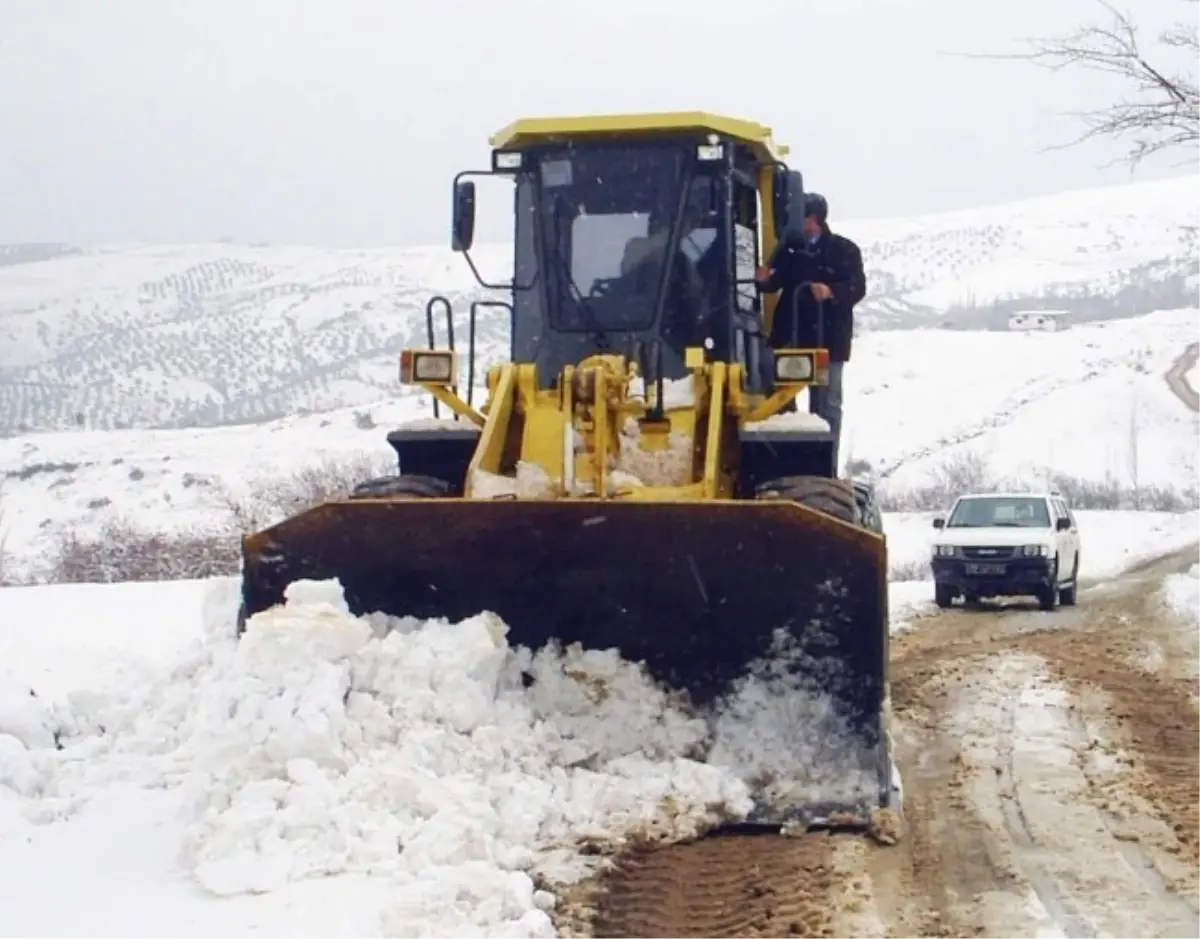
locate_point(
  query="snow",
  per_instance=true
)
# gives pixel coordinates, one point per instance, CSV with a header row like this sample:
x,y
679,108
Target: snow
x,y
86,638
659,463
1081,239
677,392
1181,593
909,600
530,482
425,772
435,423
790,420
1089,402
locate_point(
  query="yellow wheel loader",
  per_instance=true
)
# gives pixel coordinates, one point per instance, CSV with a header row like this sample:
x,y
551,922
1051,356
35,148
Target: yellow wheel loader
x,y
634,478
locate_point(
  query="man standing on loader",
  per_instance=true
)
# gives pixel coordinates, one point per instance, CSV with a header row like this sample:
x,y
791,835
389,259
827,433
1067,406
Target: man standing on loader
x,y
821,278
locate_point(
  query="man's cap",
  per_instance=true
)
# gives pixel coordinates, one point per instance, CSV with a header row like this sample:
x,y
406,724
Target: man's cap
x,y
815,204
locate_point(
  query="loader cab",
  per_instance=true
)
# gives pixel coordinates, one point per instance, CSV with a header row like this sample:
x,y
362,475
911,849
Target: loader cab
x,y
643,244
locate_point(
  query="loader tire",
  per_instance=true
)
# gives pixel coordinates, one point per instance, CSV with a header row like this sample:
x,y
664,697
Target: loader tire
x,y
835,497
401,487
868,507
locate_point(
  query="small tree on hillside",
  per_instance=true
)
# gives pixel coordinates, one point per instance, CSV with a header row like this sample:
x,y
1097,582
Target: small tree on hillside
x,y
1160,109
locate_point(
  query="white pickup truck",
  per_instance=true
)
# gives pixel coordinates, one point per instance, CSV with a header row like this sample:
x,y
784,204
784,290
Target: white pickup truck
x,y
1006,545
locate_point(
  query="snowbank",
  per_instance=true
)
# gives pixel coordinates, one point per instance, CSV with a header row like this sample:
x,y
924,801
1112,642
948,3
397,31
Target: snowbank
x,y
1181,593
444,776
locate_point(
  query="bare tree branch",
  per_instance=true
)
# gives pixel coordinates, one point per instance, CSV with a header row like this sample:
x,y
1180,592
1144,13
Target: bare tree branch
x,y
1161,107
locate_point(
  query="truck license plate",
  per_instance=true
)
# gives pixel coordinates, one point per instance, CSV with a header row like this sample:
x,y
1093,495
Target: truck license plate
x,y
986,568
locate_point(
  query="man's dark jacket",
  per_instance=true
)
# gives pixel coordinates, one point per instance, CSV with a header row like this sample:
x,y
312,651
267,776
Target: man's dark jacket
x,y
833,260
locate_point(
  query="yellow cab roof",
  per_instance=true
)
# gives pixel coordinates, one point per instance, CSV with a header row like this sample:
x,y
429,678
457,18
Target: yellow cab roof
x,y
535,130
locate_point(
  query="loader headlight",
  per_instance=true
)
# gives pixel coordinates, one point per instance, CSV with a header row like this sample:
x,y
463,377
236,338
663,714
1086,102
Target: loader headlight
x,y
808,365
1035,551
794,367
506,161
945,550
427,366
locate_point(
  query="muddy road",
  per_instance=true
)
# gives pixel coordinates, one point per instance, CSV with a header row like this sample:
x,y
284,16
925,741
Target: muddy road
x,y
1050,775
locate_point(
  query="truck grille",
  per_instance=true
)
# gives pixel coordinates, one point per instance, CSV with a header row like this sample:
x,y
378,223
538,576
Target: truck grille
x,y
988,553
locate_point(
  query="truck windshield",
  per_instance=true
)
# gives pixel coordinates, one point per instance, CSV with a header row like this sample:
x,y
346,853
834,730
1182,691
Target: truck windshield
x,y
606,215
1000,512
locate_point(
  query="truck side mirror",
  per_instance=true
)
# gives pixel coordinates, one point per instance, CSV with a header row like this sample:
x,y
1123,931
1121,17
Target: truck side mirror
x,y
780,202
1062,524
463,235
939,522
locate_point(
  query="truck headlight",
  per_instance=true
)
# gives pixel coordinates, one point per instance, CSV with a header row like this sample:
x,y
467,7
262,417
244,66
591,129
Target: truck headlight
x,y
945,550
1035,551
427,367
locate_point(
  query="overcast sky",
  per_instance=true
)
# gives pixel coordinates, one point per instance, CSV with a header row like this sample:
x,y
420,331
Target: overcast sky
x,y
341,122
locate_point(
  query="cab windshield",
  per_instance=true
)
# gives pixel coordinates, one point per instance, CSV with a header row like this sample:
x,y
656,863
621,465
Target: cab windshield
x,y
1000,512
606,215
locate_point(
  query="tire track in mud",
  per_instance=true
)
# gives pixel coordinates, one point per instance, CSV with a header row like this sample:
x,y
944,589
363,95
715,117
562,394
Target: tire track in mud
x,y
742,885
957,873
1081,757
1132,852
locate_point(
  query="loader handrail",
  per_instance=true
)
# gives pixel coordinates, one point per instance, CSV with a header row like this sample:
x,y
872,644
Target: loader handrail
x,y
476,305
431,334
472,332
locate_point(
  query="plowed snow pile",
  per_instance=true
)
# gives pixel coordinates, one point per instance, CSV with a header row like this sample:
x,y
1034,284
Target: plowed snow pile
x,y
429,753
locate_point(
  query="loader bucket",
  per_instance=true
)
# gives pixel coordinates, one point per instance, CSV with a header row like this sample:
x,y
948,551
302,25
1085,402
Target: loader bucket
x,y
704,593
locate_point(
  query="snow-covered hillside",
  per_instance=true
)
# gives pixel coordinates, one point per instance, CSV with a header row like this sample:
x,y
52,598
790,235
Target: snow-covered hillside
x,y
199,335
1089,402
211,334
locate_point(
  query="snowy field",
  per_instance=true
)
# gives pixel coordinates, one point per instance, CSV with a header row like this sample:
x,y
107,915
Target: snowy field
x,y
1089,402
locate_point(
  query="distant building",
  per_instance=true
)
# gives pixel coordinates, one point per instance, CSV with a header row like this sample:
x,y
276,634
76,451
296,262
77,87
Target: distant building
x,y
1035,320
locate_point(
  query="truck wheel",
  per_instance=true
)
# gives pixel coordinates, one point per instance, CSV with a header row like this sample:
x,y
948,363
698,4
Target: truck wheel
x,y
1068,594
1048,596
943,595
834,497
401,487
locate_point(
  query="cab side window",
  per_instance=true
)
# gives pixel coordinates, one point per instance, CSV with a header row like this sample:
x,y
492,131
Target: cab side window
x,y
745,232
